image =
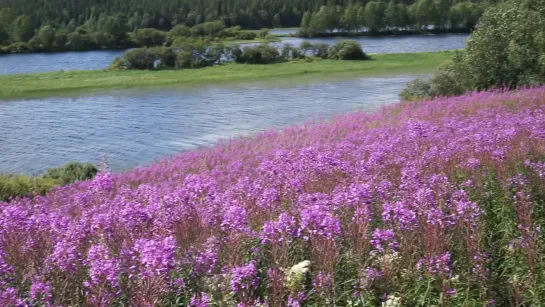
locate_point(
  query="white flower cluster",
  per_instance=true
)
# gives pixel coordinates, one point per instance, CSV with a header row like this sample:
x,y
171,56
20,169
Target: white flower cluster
x,y
393,301
297,275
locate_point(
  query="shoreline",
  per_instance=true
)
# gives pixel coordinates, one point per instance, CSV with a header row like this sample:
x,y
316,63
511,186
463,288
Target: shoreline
x,y
39,85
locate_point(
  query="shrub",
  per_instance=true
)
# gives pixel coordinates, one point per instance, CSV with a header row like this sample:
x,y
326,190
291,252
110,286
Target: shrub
x,y
246,35
71,172
346,50
140,58
19,48
261,54
119,64
180,31
320,50
263,33
291,52
166,56
77,41
305,47
417,89
446,82
12,186
149,37
231,32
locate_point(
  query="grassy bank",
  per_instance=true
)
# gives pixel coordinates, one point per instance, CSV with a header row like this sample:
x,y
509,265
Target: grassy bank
x,y
56,83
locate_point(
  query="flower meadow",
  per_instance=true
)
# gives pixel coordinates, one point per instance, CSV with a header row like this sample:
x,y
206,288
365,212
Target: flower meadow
x,y
434,203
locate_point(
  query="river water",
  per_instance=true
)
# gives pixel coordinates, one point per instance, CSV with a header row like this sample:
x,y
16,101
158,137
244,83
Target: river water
x,y
135,127
26,63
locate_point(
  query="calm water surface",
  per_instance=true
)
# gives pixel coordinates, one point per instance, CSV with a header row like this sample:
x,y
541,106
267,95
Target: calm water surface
x,y
137,127
25,63
43,62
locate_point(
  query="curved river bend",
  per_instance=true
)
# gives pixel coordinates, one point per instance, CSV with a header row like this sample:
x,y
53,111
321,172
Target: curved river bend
x,y
26,63
135,128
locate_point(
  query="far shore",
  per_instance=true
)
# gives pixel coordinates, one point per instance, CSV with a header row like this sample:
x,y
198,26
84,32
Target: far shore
x,y
36,85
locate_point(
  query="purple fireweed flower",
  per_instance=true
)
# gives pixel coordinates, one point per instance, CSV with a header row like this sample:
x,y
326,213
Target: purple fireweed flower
x,y
9,297
296,300
244,278
103,267
200,300
41,291
206,261
472,163
538,167
466,210
66,256
102,182
284,229
319,221
235,219
155,256
399,213
384,239
322,282
438,264
372,274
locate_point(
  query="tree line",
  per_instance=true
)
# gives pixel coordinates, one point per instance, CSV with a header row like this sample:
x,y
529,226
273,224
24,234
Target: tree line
x,y
93,24
380,16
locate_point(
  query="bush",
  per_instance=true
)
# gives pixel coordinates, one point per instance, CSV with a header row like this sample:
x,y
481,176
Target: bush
x,y
445,82
290,52
140,58
71,172
12,186
119,64
263,33
320,50
149,37
417,89
19,48
246,35
261,54
77,41
346,50
180,31
21,186
165,56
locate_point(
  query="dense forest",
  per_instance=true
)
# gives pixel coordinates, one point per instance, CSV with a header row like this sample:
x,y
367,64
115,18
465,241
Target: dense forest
x,y
79,25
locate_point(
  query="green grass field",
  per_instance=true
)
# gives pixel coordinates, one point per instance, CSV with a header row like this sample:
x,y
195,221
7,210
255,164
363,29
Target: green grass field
x,y
68,82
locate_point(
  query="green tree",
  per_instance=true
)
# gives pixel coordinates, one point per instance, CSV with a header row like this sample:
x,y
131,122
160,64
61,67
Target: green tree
x,y
441,13
392,15
7,17
22,29
149,37
424,12
507,48
46,37
179,31
349,19
4,34
374,16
